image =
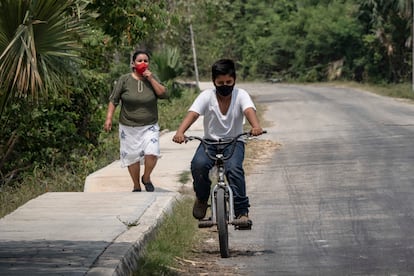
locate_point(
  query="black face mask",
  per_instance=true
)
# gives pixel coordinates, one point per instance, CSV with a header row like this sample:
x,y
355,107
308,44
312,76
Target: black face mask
x,y
224,90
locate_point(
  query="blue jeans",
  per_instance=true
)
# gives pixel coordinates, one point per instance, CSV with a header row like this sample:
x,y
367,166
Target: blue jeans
x,y
201,165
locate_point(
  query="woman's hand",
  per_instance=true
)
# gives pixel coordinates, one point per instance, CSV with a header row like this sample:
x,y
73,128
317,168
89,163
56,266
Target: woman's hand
x,y
147,74
159,89
109,115
108,125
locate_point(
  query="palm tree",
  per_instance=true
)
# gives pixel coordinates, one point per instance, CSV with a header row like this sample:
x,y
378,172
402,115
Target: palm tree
x,y
168,68
38,56
38,48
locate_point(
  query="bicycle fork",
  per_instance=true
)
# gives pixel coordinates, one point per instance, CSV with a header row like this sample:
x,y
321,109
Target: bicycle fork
x,y
221,184
229,198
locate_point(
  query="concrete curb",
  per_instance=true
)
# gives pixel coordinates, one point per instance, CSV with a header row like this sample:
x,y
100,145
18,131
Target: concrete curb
x,y
122,255
84,233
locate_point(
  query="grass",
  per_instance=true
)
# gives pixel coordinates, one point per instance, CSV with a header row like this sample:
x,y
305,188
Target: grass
x,y
174,238
178,234
172,112
179,230
401,90
71,176
68,178
184,177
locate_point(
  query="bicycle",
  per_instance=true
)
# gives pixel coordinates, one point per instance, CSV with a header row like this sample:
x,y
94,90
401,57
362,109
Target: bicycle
x,y
221,198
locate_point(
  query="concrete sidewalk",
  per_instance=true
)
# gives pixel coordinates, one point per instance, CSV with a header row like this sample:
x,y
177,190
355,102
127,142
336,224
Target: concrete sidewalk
x,y
100,231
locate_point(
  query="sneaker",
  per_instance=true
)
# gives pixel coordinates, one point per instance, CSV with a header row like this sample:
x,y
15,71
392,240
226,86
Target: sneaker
x,y
199,209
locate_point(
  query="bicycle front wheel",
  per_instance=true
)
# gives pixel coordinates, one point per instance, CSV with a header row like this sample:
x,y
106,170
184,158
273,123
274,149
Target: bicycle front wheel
x,y
222,225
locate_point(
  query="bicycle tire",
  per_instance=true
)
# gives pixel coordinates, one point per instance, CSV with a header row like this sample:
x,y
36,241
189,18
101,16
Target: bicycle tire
x,y
222,225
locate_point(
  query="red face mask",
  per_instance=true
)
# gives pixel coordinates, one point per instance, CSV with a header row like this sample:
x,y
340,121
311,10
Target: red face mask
x,y
140,68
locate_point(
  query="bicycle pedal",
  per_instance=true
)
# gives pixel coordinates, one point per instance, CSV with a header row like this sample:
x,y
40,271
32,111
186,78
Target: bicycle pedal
x,y
205,223
242,225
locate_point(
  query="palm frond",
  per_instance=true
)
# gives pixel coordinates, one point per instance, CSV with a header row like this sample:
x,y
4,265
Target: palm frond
x,y
38,47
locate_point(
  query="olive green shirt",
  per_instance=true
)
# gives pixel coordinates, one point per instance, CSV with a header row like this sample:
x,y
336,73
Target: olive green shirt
x,y
138,101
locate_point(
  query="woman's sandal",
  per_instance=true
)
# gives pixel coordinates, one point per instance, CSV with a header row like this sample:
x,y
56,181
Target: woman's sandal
x,y
148,186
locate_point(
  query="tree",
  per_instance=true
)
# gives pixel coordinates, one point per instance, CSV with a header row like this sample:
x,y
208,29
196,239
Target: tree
x,y
130,22
389,36
39,66
38,46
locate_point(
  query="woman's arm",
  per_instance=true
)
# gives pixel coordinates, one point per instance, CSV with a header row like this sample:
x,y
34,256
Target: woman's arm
x,y
109,115
159,89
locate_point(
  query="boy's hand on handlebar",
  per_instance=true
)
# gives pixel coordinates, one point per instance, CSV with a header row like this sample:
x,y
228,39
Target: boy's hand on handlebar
x,y
256,131
179,138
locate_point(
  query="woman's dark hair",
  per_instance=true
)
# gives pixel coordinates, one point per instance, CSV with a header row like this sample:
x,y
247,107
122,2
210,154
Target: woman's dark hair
x,y
138,52
223,67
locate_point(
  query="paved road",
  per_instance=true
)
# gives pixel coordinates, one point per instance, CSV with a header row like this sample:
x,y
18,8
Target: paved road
x,y
338,196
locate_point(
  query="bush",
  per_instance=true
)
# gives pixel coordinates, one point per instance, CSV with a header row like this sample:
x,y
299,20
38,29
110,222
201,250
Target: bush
x,y
47,133
168,67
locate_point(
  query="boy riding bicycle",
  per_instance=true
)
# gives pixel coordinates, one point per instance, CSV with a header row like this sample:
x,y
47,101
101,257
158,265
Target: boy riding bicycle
x,y
224,109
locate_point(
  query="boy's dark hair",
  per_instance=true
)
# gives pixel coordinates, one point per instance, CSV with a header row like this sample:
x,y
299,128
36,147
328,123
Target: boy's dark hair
x,y
223,67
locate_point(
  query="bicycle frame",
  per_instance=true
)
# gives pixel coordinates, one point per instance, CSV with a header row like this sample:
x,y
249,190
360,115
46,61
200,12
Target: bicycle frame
x,y
222,202
221,184
219,159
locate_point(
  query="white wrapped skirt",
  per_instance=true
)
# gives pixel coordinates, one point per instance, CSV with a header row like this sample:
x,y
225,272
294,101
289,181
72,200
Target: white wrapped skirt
x,y
136,142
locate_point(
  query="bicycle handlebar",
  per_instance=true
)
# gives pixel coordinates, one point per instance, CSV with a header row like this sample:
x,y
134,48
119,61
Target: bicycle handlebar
x,y
222,141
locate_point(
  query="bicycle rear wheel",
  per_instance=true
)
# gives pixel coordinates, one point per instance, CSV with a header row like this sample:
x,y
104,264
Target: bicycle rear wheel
x,y
222,225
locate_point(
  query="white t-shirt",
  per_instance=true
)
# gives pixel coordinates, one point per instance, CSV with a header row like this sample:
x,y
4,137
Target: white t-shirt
x,y
216,125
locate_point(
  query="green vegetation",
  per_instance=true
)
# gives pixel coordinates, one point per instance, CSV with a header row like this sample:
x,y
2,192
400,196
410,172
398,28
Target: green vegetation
x,y
172,112
395,90
402,90
58,63
71,177
59,60
174,238
184,177
178,234
306,40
